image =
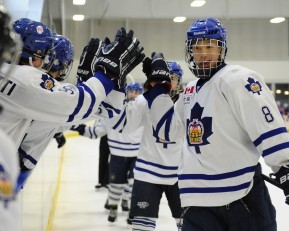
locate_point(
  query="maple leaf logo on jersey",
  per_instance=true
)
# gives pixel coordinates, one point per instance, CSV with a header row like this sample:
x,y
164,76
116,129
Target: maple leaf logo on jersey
x,y
199,128
253,86
48,83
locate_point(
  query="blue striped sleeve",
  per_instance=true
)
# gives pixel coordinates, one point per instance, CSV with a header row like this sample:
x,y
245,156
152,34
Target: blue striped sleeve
x,y
269,134
79,104
106,82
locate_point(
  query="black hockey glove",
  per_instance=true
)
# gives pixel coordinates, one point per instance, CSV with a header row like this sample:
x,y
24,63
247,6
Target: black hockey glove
x,y
116,59
157,71
282,178
80,129
60,139
87,60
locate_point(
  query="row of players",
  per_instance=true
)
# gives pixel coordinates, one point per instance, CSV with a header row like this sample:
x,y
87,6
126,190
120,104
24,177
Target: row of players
x,y
216,131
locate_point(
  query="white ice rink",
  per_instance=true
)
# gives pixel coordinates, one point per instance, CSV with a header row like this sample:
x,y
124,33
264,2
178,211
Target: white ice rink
x,y
60,194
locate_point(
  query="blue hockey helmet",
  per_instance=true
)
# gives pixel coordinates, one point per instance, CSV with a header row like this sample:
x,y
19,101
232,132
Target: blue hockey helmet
x,y
175,71
205,29
37,42
20,25
64,56
134,86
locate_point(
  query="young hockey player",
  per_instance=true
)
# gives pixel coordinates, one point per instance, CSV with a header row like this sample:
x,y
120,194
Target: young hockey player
x,y
227,118
157,163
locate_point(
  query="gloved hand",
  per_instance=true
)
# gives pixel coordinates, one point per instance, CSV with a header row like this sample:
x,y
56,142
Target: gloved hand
x,y
80,129
118,58
60,139
87,60
157,71
282,177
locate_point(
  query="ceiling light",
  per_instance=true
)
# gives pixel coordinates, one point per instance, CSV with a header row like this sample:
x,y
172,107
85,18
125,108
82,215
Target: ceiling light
x,y
277,20
78,17
198,3
79,2
179,19
278,91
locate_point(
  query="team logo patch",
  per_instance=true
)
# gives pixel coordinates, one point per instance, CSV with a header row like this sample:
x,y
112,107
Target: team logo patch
x,y
142,205
199,128
47,82
253,86
196,132
39,29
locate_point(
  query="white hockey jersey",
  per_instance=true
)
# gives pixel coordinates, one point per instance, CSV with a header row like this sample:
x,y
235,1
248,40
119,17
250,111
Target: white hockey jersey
x,y
29,94
227,124
39,133
9,171
157,161
125,144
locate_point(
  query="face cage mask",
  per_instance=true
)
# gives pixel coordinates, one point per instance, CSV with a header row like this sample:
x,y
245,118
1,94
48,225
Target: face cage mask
x,y
65,70
47,61
205,72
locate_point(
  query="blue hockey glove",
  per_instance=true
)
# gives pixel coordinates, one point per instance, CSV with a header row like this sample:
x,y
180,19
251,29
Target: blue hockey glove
x,y
87,60
282,178
118,58
60,139
80,129
157,71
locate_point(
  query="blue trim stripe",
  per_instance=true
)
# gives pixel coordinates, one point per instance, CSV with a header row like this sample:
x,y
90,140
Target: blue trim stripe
x,y
166,116
127,149
155,174
215,189
79,104
144,222
93,100
217,176
269,134
118,142
120,120
275,148
110,108
158,165
26,156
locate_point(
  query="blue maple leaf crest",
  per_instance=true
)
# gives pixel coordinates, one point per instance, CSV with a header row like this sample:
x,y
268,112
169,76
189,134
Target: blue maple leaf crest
x,y
47,82
198,129
253,86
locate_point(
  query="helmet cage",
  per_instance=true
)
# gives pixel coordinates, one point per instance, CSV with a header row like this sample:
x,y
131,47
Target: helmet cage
x,y
64,56
205,72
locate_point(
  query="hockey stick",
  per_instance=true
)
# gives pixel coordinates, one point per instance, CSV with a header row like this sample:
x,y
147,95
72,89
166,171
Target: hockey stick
x,y
271,181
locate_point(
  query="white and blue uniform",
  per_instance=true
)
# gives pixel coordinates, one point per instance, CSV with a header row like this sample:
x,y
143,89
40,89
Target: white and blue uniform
x,y
158,160
226,124
30,94
156,168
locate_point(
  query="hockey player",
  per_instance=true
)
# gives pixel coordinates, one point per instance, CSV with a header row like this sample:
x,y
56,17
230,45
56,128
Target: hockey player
x,y
31,94
39,133
228,119
124,147
9,204
157,163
